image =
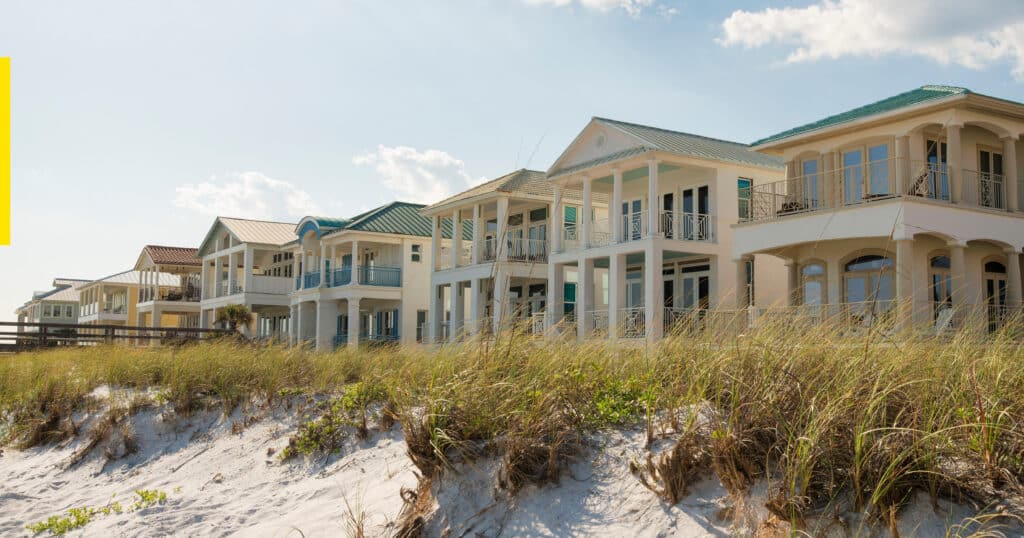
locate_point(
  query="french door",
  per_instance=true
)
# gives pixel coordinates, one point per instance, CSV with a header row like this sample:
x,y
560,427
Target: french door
x,y
632,220
936,177
990,179
696,203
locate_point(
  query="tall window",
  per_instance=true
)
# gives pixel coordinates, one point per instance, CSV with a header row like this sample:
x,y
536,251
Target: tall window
x,y
868,282
744,185
941,284
995,293
810,183
812,291
866,173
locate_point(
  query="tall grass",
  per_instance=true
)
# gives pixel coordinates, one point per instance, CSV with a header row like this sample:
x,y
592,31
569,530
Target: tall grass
x,y
824,417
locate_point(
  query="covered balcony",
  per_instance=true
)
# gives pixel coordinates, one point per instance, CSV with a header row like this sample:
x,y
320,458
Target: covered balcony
x,y
248,270
347,263
523,238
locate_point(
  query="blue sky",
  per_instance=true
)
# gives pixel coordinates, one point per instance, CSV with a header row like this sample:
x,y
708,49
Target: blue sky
x,y
136,122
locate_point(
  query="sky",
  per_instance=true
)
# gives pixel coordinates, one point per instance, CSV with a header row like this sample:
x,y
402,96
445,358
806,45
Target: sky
x,y
137,123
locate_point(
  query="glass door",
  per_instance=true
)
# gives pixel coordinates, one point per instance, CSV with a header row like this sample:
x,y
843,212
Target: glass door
x,y
853,177
809,184
538,236
990,179
935,176
995,294
632,220
696,204
667,218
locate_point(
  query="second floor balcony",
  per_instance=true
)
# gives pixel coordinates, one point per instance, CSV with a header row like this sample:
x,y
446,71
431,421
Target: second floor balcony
x,y
676,225
489,250
174,294
366,275
879,180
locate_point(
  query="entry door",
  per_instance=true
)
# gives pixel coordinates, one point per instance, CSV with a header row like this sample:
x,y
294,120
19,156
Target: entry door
x,y
538,240
667,217
632,220
995,295
634,289
695,208
990,179
695,284
514,236
936,176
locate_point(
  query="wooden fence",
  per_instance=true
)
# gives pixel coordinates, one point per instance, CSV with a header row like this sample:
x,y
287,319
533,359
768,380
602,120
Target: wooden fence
x,y
15,336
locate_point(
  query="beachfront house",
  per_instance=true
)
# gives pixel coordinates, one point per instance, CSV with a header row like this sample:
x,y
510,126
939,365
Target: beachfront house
x,y
498,261
360,280
58,305
244,262
666,239
908,207
169,286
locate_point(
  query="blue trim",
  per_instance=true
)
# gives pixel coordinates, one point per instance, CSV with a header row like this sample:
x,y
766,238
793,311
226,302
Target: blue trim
x,y
309,226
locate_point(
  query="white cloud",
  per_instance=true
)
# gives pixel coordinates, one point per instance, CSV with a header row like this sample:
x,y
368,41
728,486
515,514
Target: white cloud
x,y
970,34
418,176
247,195
633,7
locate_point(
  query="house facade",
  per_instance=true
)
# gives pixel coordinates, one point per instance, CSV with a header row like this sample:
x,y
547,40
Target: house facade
x,y
244,262
909,207
169,284
665,242
58,305
360,280
498,259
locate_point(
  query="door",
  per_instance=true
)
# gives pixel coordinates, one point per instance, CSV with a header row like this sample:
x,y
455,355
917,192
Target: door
x,y
514,238
809,184
990,179
537,245
935,178
632,220
695,208
695,286
667,218
995,294
853,177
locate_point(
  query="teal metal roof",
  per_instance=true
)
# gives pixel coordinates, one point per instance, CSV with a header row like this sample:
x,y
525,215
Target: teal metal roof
x,y
691,145
916,96
328,222
402,218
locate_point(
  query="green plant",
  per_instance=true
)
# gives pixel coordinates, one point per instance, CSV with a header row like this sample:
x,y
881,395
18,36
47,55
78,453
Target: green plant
x,y
234,315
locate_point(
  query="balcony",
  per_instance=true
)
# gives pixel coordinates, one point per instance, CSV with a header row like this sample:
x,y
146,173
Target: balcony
x,y
871,182
188,294
677,225
379,276
528,250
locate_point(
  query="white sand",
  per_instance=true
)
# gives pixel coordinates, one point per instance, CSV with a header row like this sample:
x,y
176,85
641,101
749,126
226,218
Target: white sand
x,y
221,483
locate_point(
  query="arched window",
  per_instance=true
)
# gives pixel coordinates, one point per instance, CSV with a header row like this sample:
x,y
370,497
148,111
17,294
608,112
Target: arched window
x,y
941,283
869,280
813,290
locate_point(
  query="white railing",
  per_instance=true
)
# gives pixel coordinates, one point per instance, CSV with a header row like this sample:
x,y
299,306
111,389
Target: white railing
x,y
487,249
571,237
275,285
528,250
600,233
631,323
635,226
872,181
686,226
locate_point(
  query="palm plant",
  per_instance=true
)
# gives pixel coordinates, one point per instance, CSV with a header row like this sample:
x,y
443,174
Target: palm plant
x,y
234,315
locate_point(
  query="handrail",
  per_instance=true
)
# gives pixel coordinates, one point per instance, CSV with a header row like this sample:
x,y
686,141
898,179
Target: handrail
x,y
370,275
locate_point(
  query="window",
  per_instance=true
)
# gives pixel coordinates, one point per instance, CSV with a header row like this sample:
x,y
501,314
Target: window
x,y
416,253
538,214
68,311
810,183
866,173
812,291
941,283
744,186
750,282
47,313
421,323
868,282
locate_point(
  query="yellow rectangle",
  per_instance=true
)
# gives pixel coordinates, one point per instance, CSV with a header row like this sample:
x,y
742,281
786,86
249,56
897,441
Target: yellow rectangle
x,y
5,151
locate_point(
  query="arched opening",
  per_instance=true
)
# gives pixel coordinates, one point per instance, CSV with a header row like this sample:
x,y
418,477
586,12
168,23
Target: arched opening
x,y
868,284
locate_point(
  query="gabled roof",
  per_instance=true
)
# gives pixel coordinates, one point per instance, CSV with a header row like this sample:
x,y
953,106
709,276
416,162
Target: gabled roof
x,y
522,181
63,281
402,218
917,96
252,231
687,144
132,277
172,255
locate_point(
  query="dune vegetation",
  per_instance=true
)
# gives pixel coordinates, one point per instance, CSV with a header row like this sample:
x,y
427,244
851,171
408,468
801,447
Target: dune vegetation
x,y
825,416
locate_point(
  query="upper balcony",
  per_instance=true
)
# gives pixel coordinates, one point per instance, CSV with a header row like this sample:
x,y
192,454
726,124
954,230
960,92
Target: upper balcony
x,y
366,275
270,285
878,180
491,249
676,225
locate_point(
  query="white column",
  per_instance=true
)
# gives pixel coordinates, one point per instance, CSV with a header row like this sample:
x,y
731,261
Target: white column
x,y
296,274
653,301
456,237
557,220
323,264
953,159
458,310
293,320
792,281
904,281
435,242
334,264
584,297
474,306
652,200
326,324
353,323
957,270
435,314
477,237
617,293
232,273
355,263
1013,278
142,274
556,294
204,319
586,219
247,263
1010,172
500,306
616,212
502,253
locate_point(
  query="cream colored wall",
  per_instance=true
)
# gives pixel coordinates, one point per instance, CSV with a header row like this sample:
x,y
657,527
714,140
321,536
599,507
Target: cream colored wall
x,y
415,286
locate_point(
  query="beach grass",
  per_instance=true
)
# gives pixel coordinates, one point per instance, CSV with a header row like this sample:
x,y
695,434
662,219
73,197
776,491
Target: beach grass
x,y
825,415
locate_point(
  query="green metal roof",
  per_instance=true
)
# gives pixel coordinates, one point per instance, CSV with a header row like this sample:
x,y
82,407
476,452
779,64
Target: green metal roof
x,y
691,145
402,218
328,222
916,96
